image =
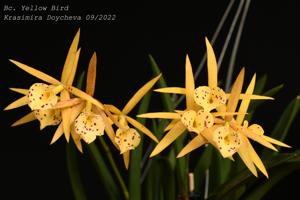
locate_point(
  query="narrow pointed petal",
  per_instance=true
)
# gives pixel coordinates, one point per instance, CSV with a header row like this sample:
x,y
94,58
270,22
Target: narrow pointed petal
x,y
126,159
244,154
212,67
58,133
18,103
171,125
161,115
113,109
259,139
189,84
67,103
252,97
72,74
235,93
139,95
27,118
76,138
91,75
245,102
195,143
277,142
70,58
66,113
20,90
85,96
36,73
142,128
173,90
174,133
218,114
256,160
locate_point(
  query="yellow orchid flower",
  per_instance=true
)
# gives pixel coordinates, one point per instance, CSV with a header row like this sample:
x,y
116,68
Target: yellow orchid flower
x,y
229,136
200,102
42,98
128,138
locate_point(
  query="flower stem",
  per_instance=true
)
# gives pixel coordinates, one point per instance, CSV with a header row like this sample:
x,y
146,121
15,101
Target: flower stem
x,y
114,168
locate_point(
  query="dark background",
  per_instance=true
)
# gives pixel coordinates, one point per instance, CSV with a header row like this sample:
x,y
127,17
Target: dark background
x,y
30,168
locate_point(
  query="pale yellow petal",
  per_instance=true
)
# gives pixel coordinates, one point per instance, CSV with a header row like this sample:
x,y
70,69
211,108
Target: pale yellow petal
x,y
126,159
235,93
189,84
127,140
89,125
27,118
245,156
139,95
18,103
277,142
195,143
160,115
58,133
174,133
227,140
212,67
173,90
245,102
113,109
84,96
36,73
48,117
70,58
74,68
20,90
91,75
142,128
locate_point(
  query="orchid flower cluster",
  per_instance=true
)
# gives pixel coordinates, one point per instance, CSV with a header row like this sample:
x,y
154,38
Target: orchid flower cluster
x,y
212,115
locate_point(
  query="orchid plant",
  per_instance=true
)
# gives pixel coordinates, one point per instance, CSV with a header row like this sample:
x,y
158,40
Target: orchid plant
x,y
210,117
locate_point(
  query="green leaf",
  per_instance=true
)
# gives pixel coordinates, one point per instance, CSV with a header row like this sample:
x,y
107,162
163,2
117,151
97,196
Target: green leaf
x,y
260,84
74,173
107,180
153,181
275,176
168,180
181,166
245,176
201,166
166,98
136,156
283,125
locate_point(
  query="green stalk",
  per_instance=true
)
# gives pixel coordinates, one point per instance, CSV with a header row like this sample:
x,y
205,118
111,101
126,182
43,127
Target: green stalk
x,y
73,170
114,167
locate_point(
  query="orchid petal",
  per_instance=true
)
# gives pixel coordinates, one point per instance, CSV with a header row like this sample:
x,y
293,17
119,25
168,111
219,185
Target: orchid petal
x,y
20,90
76,139
139,95
27,118
48,117
195,143
58,133
36,73
174,133
212,66
142,128
127,140
174,90
189,84
126,159
91,75
162,115
18,103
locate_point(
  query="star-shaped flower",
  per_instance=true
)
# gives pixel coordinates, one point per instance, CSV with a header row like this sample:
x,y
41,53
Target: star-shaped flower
x,y
128,138
43,99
